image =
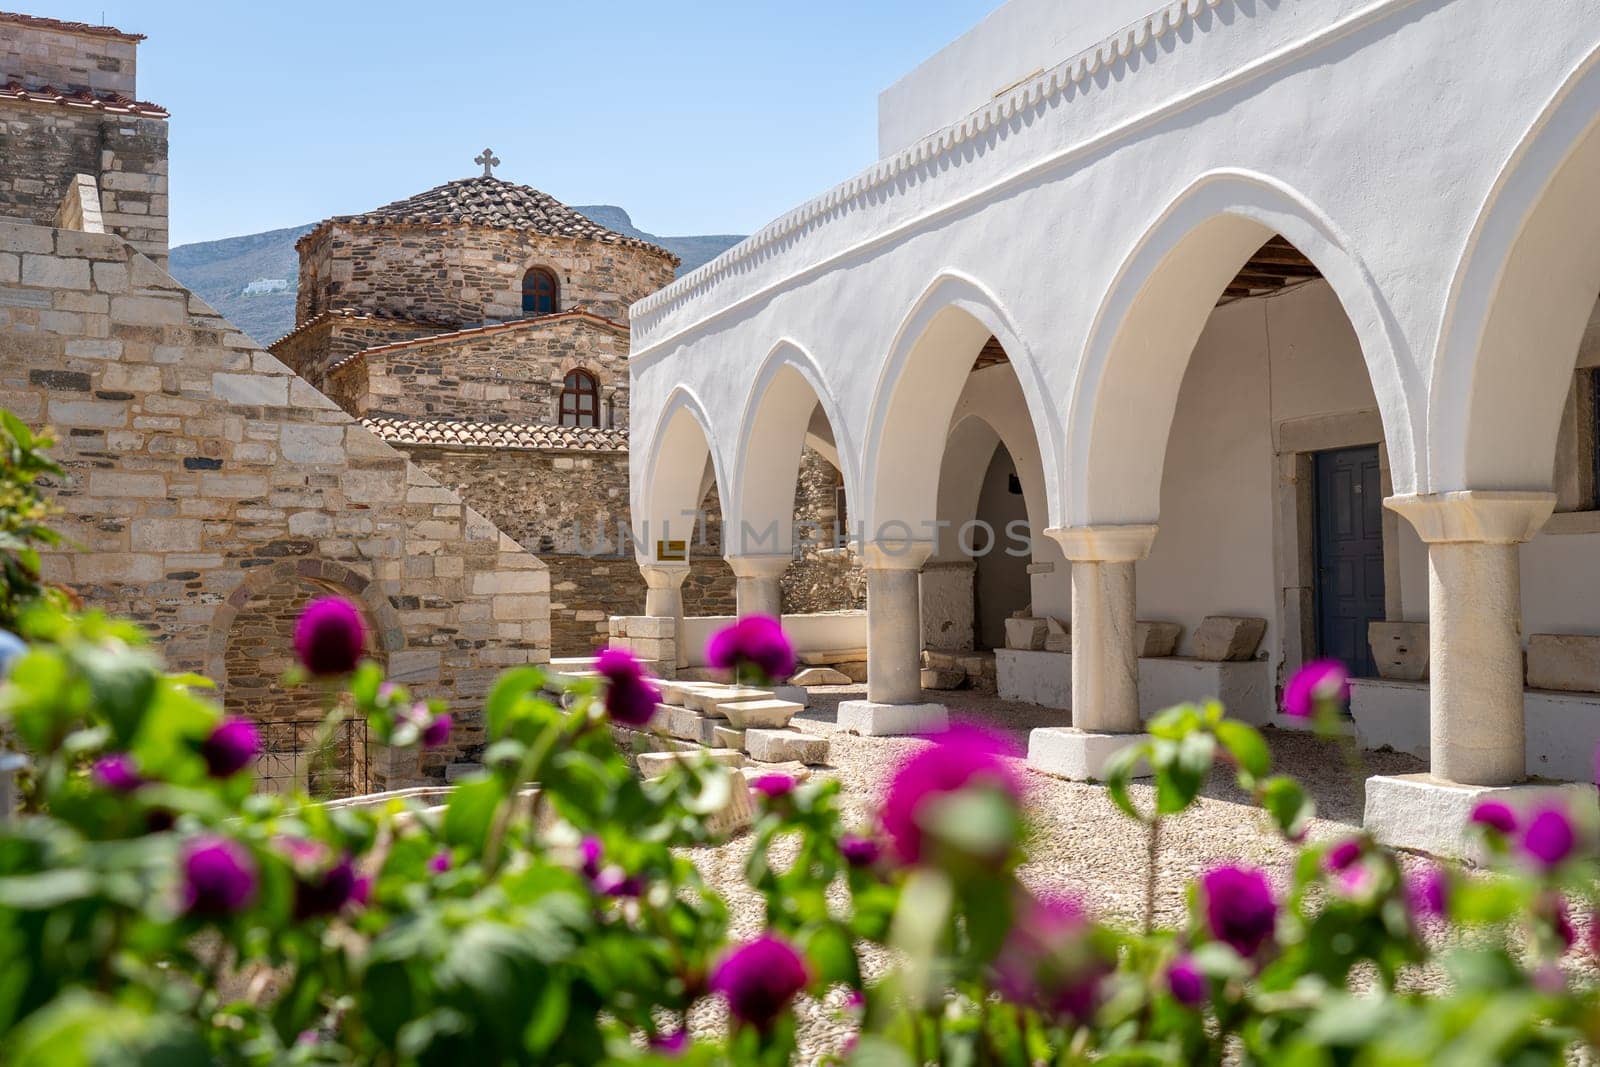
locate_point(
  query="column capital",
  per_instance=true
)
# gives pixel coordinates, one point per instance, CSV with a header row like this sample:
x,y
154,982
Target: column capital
x,y
663,575
1120,543
759,565
896,555
1483,516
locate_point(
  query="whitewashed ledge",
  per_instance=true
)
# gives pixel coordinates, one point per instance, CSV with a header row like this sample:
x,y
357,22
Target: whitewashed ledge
x,y
1045,678
1563,729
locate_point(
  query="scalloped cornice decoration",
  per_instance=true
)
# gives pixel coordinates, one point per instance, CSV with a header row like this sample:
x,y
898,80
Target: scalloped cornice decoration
x,y
1040,89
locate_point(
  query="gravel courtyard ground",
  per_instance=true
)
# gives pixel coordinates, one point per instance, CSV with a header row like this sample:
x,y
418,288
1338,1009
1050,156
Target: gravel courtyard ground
x,y
1082,844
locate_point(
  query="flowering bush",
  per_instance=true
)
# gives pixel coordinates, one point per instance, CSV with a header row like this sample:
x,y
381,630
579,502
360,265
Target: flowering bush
x,y
153,909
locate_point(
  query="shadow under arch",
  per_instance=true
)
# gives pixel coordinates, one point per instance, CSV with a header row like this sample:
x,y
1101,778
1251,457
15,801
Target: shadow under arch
x,y
772,433
668,478
1127,384
1519,302
917,392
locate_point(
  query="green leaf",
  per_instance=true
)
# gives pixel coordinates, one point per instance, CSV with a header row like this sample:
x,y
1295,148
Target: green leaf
x,y
832,956
1288,805
508,691
1245,743
470,813
47,889
1119,772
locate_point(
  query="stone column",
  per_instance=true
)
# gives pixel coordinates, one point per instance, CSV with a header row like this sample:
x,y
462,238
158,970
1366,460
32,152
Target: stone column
x,y
758,591
1105,662
894,647
1475,714
663,598
1477,741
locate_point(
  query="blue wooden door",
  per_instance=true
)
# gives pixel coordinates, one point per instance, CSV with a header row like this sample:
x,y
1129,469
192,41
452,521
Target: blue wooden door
x,y
1349,554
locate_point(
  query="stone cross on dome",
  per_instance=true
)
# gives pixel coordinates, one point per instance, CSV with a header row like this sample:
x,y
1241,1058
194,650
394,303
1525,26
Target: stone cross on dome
x,y
489,161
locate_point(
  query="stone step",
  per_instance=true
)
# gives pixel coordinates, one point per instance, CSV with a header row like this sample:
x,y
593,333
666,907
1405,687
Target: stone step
x,y
655,764
677,692
765,714
943,678
709,701
784,746
798,771
682,723
724,736
820,676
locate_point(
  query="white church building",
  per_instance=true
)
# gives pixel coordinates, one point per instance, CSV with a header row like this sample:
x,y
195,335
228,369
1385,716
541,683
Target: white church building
x,y
1277,310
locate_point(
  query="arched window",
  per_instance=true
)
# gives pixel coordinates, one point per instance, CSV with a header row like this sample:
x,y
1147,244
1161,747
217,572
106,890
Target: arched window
x,y
539,292
580,399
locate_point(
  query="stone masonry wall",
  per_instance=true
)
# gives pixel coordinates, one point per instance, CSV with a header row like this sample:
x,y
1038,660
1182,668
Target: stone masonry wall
x,y
42,145
71,60
311,348
540,498
503,374
822,577
466,274
202,474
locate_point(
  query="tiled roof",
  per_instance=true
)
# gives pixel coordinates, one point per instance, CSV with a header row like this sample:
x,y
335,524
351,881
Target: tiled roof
x,y
490,202
39,22
451,434
115,103
362,314
577,314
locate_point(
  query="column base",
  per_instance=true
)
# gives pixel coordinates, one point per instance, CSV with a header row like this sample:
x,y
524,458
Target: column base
x,y
871,719
1078,755
1427,814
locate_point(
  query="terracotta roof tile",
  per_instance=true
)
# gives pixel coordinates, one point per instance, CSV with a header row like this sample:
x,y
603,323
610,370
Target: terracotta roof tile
x,y
114,103
451,434
494,203
39,22
577,314
362,314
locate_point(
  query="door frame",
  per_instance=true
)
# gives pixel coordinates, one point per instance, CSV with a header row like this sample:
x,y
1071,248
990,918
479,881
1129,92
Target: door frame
x,y
1294,539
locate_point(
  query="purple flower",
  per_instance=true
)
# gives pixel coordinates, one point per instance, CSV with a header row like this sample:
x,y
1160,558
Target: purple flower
x,y
1552,909
1187,984
116,772
1322,681
1549,837
964,755
756,643
759,979
1493,815
439,862
361,892
590,851
671,1044
1428,893
773,786
1343,855
859,851
324,892
330,636
437,732
631,696
219,877
230,748
615,882
1239,906
1049,961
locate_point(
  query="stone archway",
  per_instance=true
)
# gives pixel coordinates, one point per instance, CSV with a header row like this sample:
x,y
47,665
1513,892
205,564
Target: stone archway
x,y
252,648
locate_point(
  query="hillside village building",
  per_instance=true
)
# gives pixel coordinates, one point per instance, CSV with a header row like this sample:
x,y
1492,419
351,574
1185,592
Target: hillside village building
x,y
1282,315
211,492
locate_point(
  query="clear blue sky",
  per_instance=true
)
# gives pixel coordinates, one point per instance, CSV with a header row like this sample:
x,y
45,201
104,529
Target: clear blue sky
x,y
697,116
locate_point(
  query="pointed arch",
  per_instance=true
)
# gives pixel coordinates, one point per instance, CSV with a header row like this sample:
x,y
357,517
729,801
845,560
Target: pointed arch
x,y
668,478
917,391
1519,303
1126,389
772,433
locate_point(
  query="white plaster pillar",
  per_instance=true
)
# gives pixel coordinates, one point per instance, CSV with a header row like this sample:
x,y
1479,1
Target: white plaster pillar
x,y
1477,744
1476,734
758,590
894,646
1105,661
663,598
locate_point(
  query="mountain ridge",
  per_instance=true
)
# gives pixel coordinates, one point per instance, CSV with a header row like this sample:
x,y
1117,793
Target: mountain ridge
x,y
220,270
